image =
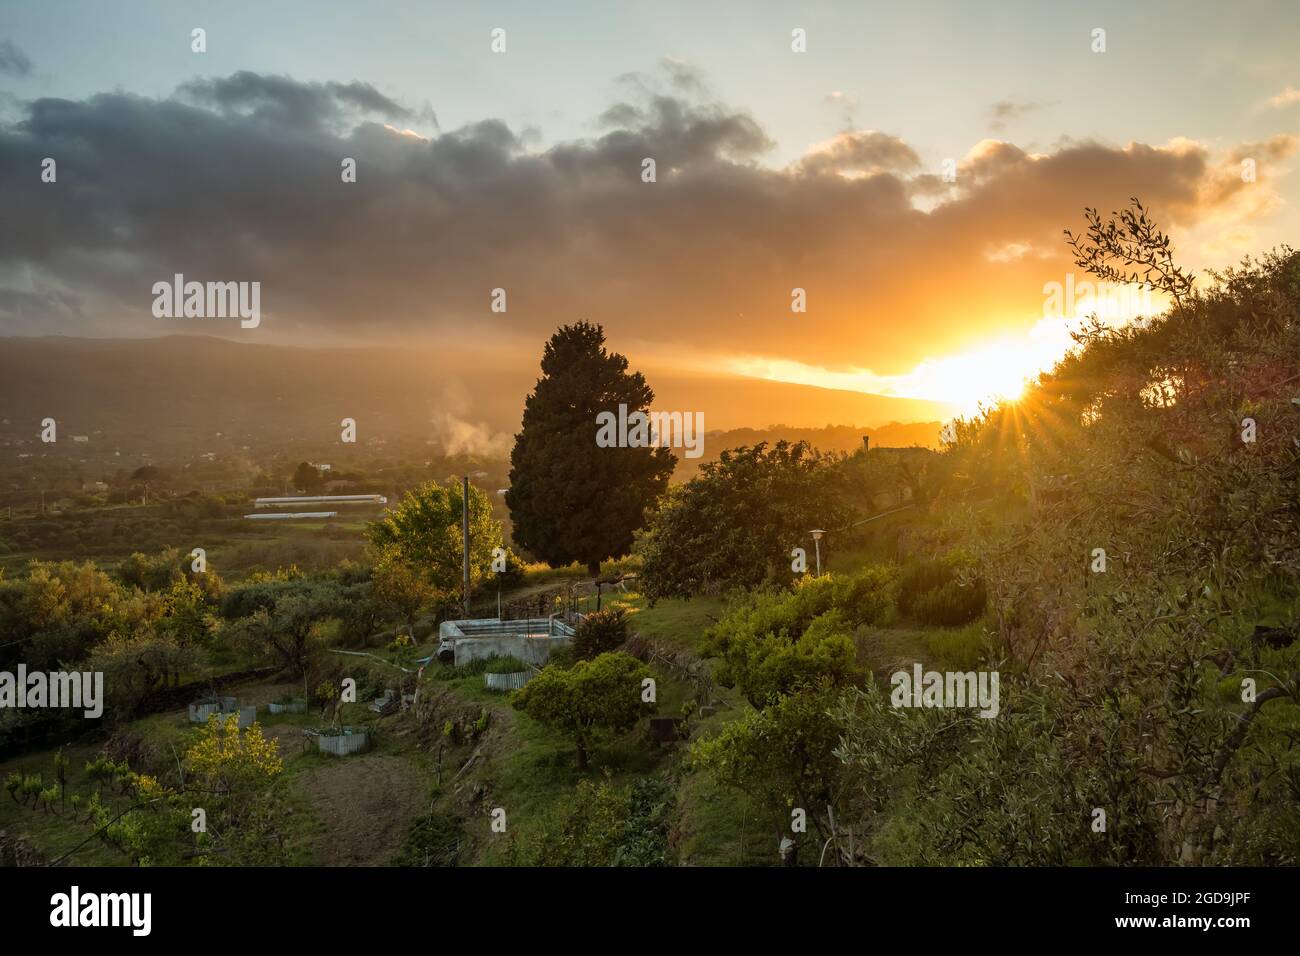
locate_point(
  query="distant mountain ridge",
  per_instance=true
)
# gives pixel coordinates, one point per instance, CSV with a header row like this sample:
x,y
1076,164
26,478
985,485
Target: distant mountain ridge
x,y
186,389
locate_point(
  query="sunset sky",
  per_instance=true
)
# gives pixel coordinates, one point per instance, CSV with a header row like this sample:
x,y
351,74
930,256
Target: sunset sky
x,y
522,170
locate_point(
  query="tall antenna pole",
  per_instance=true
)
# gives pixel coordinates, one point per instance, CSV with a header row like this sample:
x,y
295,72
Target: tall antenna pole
x,y
464,533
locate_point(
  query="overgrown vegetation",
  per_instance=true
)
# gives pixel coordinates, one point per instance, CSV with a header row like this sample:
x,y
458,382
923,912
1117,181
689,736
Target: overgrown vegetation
x,y
1121,546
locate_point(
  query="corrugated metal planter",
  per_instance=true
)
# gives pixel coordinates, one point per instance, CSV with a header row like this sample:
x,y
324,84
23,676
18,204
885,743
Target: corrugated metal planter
x,y
288,707
201,710
342,744
507,681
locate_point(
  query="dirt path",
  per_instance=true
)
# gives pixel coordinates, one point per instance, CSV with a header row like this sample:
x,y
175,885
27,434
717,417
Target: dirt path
x,y
366,804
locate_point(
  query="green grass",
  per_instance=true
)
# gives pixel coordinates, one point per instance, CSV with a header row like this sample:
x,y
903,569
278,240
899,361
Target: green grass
x,y
676,622
717,827
537,771
543,574
960,648
533,770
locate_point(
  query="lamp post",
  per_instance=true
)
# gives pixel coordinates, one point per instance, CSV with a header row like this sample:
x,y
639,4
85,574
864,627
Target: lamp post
x,y
464,535
817,543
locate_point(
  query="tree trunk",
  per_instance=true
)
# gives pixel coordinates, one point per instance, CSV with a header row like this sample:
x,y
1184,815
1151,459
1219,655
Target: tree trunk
x,y
582,756
593,568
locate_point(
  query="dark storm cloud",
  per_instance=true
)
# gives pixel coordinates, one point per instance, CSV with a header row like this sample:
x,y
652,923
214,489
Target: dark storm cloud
x,y
239,179
29,313
13,61
279,100
866,151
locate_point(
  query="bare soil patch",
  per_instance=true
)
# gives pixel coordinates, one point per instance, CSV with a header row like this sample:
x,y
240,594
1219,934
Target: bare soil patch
x,y
366,804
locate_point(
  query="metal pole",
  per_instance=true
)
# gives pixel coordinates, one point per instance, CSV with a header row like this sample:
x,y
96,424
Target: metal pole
x,y
818,546
464,531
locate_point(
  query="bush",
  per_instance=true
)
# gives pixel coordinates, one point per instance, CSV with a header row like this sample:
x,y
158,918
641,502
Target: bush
x,y
602,825
960,649
600,632
774,643
951,604
433,840
865,597
505,665
562,658
595,698
933,592
919,579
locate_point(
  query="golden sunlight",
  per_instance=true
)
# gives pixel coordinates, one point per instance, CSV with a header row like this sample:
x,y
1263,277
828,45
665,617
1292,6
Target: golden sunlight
x,y
966,380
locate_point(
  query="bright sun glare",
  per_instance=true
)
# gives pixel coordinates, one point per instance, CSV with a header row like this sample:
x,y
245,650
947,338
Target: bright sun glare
x,y
964,381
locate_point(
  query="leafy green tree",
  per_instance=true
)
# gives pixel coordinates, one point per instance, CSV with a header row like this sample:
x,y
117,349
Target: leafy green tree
x,y
262,592
285,629
61,611
592,699
773,642
736,523
169,567
147,473
151,573
137,666
186,617
307,478
569,499
233,764
783,758
363,611
402,585
422,538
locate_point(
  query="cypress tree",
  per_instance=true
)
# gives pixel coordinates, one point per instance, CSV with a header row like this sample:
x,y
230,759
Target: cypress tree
x,y
569,499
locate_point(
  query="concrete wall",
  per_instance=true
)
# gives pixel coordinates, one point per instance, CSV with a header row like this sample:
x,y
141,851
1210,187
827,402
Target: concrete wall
x,y
477,640
535,650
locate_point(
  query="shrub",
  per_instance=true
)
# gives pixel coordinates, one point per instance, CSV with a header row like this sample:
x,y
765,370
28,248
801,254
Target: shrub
x,y
433,840
865,597
961,649
562,658
935,591
920,578
600,632
951,604
505,665
602,825
594,698
776,641
782,756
